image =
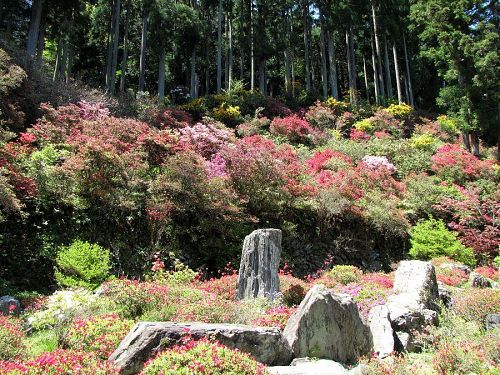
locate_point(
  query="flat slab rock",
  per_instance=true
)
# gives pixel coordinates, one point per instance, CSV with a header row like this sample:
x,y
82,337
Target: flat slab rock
x,y
306,366
145,339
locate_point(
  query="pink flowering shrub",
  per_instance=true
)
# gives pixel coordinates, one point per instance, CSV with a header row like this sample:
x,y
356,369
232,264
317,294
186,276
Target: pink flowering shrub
x,y
216,167
203,357
488,272
224,287
172,118
59,362
206,139
452,162
11,338
98,334
375,162
358,135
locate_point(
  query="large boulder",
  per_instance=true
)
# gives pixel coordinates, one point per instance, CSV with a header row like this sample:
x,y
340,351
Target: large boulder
x,y
492,321
328,326
145,339
417,280
9,306
381,330
258,275
479,281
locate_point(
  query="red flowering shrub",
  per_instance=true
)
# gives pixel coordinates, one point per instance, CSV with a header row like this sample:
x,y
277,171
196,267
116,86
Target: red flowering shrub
x,y
172,118
11,338
206,139
451,276
488,272
99,334
454,163
275,317
224,287
59,362
476,219
323,159
294,129
203,357
381,279
358,135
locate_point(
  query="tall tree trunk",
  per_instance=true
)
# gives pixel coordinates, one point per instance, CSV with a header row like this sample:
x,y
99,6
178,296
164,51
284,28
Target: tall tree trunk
x,y
161,73
109,57
230,57
379,55
192,86
252,50
396,69
41,39
288,73
262,76
365,73
57,66
36,15
116,38
407,92
408,74
375,75
388,77
333,66
125,52
475,143
142,58
64,57
351,64
306,45
466,140
219,47
71,59
322,49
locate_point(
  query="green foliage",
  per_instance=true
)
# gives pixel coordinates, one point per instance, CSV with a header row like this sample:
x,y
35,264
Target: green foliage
x,y
344,274
204,357
474,304
401,111
364,125
41,342
82,264
424,141
430,238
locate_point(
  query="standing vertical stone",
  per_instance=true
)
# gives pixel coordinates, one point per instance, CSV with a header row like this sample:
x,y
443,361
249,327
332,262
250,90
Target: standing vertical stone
x,y
258,276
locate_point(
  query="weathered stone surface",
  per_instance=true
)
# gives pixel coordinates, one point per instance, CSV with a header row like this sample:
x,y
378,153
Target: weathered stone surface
x,y
327,325
417,279
9,306
444,294
404,342
479,281
145,339
381,330
258,275
307,366
492,321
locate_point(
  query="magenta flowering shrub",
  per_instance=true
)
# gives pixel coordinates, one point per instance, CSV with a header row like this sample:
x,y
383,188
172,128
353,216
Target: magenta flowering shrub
x,y
203,357
59,362
275,317
206,139
359,135
216,167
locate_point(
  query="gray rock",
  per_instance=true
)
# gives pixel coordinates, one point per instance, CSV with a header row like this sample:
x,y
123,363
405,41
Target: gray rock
x,y
417,279
306,366
479,281
404,342
327,325
9,306
381,330
444,295
258,275
492,321
145,339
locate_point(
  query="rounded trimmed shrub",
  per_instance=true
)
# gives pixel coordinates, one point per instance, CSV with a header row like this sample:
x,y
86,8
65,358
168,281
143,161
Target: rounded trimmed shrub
x,y
344,274
203,357
82,264
431,239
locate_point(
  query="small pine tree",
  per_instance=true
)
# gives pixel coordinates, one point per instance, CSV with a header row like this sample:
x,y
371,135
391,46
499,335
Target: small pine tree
x,y
431,239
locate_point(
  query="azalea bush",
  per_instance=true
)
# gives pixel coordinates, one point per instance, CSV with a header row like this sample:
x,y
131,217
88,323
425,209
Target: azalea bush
x,y
11,338
475,304
59,362
98,334
203,357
